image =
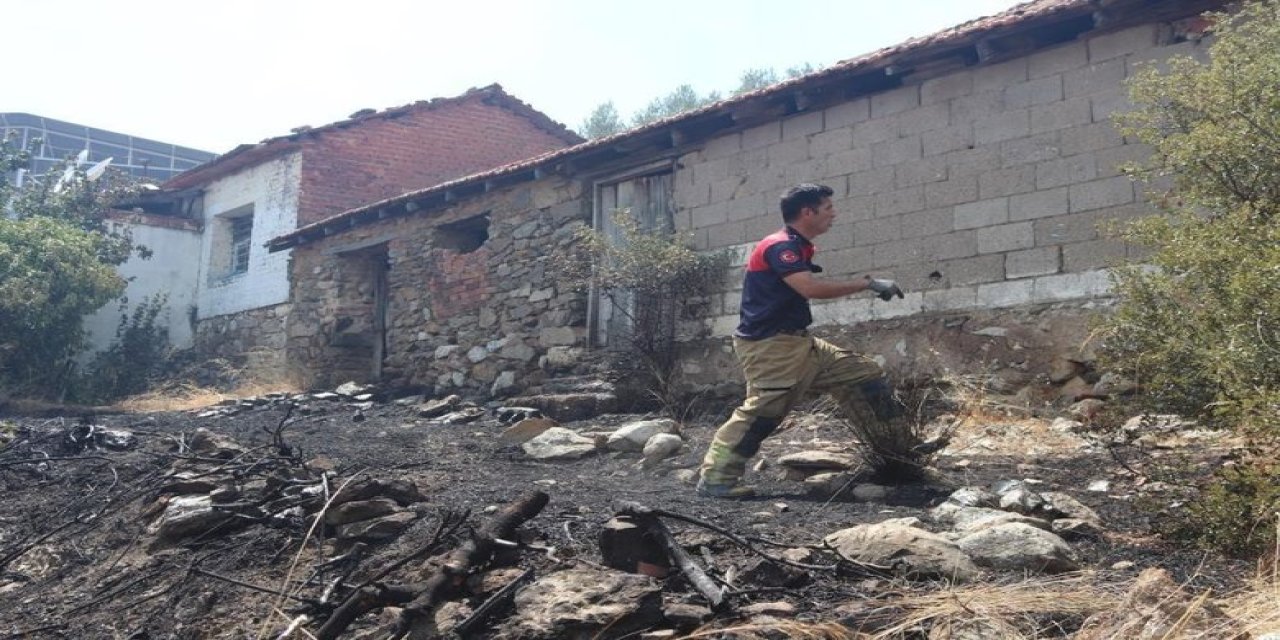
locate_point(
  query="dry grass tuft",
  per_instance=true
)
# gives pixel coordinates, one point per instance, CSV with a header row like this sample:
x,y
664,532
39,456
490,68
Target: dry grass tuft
x,y
187,396
781,629
1014,610
1256,607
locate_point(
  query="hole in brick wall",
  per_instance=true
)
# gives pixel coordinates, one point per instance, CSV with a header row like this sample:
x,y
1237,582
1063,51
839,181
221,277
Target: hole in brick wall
x,y
463,236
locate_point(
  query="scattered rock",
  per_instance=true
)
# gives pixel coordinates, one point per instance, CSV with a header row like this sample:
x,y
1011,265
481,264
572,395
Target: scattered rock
x,y
1099,486
1123,565
825,484
1113,384
869,492
583,603
559,443
661,446
911,552
776,609
818,461
464,415
1066,425
685,616
185,516
1156,423
349,389
378,529
1086,409
973,497
972,519
1077,529
1062,505
1018,546
525,430
349,512
1064,369
634,435
208,444
1076,389
1022,500
508,415
403,491
439,407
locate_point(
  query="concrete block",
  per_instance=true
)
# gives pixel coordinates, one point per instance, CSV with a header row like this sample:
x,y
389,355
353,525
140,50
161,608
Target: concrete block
x,y
952,299
1006,237
846,114
869,133
944,88
1071,286
952,138
1075,227
1090,137
973,162
1107,192
1038,204
979,105
910,174
762,136
999,75
891,254
1058,59
1109,161
710,215
1041,261
999,127
849,162
844,311
829,142
975,270
854,209
895,101
910,305
1033,92
954,190
924,118
982,213
1073,112
846,262
722,147
892,203
896,151
788,152
1029,150
926,223
1095,78
876,231
724,325
1104,106
731,302
870,182
1004,294
1066,171
1118,43
960,244
693,195
799,126
1006,182
728,189
725,235
812,170
1083,256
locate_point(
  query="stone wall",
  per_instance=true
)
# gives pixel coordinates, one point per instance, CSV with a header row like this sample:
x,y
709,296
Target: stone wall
x,y
254,340
471,307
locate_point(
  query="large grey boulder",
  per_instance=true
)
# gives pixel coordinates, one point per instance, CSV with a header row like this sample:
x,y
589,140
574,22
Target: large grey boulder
x,y
559,443
582,603
971,519
911,552
1018,546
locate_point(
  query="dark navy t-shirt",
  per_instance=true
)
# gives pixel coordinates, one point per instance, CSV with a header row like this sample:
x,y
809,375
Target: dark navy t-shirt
x,y
770,305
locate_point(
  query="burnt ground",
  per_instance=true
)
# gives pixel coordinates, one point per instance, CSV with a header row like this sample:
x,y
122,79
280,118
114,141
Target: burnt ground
x,y
78,560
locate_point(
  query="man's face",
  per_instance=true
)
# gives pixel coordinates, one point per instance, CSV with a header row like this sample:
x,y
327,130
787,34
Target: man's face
x,y
822,217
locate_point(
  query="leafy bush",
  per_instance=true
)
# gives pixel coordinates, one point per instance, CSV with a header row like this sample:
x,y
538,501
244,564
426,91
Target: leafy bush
x,y
1234,513
138,354
658,284
1198,325
57,265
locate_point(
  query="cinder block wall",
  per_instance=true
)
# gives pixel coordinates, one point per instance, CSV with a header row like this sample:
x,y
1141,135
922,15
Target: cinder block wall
x,y
978,189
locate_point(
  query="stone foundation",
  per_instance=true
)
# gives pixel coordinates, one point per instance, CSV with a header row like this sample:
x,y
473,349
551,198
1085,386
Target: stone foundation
x,y
253,340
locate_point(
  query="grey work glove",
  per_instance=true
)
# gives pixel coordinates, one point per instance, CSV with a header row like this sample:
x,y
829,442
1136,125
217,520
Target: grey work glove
x,y
884,289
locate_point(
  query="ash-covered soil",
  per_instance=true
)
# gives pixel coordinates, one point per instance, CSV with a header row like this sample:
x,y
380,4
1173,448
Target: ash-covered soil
x,y
80,556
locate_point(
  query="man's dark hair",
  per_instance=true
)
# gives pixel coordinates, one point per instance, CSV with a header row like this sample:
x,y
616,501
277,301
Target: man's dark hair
x,y
800,196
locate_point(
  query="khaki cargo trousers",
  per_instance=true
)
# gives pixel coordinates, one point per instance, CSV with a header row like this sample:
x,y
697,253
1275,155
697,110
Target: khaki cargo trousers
x,y
780,371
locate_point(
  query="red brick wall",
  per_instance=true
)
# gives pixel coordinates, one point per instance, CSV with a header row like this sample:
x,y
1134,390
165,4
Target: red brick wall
x,y
383,157
460,281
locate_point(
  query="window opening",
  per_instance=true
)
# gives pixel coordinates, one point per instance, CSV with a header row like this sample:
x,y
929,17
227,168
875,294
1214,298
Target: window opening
x,y
463,236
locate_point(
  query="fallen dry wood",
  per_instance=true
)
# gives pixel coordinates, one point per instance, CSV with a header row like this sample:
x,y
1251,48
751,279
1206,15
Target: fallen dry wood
x,y
421,598
649,519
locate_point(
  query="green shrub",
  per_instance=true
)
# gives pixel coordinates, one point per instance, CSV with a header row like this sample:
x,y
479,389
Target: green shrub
x,y
1198,325
136,357
1235,513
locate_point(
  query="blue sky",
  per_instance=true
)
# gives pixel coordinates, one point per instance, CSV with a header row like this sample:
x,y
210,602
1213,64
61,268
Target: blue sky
x,y
218,74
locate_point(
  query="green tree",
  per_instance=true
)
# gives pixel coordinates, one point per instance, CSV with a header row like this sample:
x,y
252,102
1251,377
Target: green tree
x,y
603,121
1198,323
681,99
58,262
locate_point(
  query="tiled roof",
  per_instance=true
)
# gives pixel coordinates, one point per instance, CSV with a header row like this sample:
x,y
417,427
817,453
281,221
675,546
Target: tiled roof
x,y
251,154
1022,16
